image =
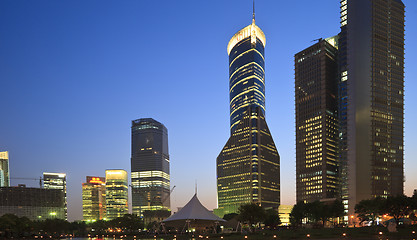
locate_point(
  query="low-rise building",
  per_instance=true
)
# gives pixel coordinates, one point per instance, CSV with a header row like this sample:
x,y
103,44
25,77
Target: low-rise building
x,y
33,203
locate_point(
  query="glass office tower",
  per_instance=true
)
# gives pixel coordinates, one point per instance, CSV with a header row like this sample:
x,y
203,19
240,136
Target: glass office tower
x,y
150,166
94,199
56,181
316,122
246,72
248,165
116,193
33,203
370,108
4,169
371,99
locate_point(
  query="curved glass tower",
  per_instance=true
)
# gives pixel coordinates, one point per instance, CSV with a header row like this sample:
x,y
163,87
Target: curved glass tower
x,y
246,72
248,165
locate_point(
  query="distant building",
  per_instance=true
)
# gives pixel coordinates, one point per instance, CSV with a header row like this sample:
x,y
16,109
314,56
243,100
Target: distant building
x,y
56,181
33,203
4,169
316,122
284,214
149,166
248,167
94,199
116,193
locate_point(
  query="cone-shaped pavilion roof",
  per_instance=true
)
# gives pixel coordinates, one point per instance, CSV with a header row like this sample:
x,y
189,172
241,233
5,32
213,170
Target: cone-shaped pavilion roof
x,y
194,210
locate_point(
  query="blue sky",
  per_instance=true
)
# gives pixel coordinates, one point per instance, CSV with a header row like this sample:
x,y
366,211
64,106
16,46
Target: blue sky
x,y
73,74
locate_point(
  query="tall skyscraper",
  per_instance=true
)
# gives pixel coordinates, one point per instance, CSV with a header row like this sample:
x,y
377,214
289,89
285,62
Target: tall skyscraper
x,y
116,194
317,166
94,199
370,101
371,96
248,165
149,166
56,181
4,169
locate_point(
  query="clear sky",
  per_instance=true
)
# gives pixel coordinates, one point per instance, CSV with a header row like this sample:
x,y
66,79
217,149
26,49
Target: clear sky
x,y
73,74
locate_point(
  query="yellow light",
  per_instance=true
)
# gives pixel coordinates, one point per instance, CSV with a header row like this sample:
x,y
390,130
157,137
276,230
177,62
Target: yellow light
x,y
248,31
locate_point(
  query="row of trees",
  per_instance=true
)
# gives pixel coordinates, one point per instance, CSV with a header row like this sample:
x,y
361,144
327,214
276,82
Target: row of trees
x,y
395,206
14,226
316,213
252,214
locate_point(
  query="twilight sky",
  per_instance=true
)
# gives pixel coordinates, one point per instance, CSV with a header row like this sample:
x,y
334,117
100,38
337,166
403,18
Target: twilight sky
x,y
73,74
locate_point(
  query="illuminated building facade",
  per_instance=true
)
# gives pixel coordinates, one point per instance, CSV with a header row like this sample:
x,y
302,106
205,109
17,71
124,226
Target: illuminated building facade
x,y
94,199
248,165
56,181
246,72
149,166
4,169
371,99
116,193
33,203
316,122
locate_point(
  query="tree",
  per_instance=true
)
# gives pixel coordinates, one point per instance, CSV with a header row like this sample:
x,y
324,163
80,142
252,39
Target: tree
x,y
251,213
230,216
298,214
398,207
272,219
370,209
337,209
129,222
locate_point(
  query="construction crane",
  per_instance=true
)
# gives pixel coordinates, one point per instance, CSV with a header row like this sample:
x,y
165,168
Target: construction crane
x,y
169,195
318,40
34,179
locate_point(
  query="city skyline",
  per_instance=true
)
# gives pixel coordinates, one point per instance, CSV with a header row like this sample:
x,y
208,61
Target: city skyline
x,y
76,74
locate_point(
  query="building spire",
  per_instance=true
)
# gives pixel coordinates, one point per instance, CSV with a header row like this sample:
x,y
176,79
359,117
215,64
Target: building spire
x,y
253,11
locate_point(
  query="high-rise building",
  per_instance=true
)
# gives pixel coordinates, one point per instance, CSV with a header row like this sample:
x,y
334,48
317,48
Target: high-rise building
x,y
33,203
116,193
4,169
94,199
149,166
248,165
56,181
371,99
317,167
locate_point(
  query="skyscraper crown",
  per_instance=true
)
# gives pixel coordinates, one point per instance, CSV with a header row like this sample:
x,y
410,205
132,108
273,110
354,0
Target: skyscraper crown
x,y
252,31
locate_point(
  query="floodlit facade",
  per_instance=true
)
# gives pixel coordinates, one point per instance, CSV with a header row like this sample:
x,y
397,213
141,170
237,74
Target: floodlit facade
x,y
4,169
33,203
371,98
149,166
56,181
116,193
94,199
248,165
316,122
284,212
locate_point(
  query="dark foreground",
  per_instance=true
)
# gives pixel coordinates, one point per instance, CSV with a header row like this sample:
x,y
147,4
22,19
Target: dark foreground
x,y
364,233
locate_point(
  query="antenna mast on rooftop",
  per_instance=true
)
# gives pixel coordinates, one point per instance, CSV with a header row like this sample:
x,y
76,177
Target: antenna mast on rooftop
x,y
253,11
